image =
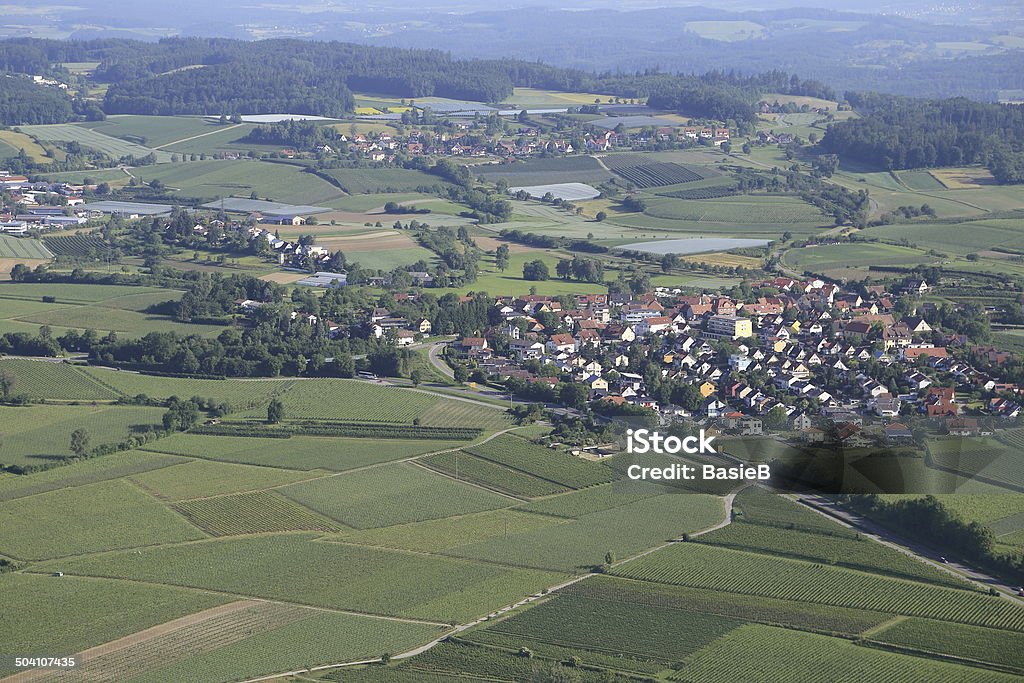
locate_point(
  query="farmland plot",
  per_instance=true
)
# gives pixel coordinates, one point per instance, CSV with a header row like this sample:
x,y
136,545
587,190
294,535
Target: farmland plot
x,y
554,466
112,147
789,656
296,568
54,380
701,566
391,494
22,247
658,174
251,513
202,478
491,475
959,640
102,516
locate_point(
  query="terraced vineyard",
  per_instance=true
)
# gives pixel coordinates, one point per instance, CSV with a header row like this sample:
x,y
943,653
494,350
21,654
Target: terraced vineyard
x,y
251,513
559,468
701,566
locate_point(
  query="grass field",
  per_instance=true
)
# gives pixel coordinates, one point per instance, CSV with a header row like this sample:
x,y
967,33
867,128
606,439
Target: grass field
x,y
41,434
84,519
727,31
12,143
551,465
295,568
153,131
581,169
112,147
492,475
392,494
850,258
376,180
297,453
240,394
34,611
23,247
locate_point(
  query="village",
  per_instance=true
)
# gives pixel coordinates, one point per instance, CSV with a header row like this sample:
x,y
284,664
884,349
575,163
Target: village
x,y
814,361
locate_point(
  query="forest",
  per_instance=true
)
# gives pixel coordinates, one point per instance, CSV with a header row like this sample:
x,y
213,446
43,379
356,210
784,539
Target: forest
x,y
902,133
24,102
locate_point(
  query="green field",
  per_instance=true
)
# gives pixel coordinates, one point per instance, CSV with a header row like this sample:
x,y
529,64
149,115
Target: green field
x,y
112,147
785,656
391,494
298,569
250,513
226,178
154,131
202,478
238,393
551,465
579,169
85,519
702,566
34,611
299,452
842,259
40,380
23,247
377,180
492,475
958,640
41,434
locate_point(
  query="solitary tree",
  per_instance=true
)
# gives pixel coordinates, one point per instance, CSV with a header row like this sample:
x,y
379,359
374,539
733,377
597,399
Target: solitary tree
x,y
416,376
79,442
275,412
7,382
601,215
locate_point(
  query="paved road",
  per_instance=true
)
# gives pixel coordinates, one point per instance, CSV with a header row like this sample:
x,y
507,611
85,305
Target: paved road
x,y
919,551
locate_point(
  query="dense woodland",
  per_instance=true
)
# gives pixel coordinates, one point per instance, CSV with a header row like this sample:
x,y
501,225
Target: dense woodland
x,y
901,133
24,102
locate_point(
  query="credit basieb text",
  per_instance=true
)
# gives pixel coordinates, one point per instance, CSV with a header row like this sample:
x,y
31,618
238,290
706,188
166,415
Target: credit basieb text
x,y
641,441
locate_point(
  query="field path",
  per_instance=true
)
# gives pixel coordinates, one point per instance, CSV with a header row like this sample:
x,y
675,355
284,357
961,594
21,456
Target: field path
x,y
727,519
201,135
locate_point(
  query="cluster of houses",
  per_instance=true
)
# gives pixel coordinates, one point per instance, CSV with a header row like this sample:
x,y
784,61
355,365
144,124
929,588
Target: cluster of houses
x,y
31,205
806,353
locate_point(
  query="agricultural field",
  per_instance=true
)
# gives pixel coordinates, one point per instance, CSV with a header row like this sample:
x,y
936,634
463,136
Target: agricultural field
x,y
391,494
208,180
41,434
551,465
582,544
535,97
580,169
657,174
153,131
112,147
105,610
728,31
77,245
240,394
851,259
250,513
302,453
12,143
784,656
377,180
956,238
856,553
920,181
296,568
23,247
355,400
958,640
987,457
740,209
594,499
439,535
86,519
267,639
467,467
204,478
61,381
698,565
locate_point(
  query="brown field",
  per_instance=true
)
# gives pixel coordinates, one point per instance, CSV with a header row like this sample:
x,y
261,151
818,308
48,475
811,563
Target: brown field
x,y
963,178
374,241
7,263
283,278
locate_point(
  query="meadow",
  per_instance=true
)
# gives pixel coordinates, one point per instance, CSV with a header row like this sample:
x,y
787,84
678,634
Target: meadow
x,y
12,143
296,568
377,180
153,131
848,259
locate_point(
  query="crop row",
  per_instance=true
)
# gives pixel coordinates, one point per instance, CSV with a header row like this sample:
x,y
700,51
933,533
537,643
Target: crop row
x,y
702,566
75,245
658,174
702,193
249,513
557,467
351,429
